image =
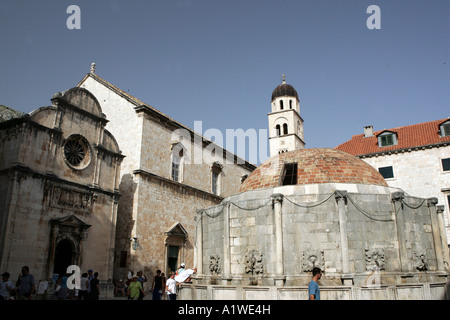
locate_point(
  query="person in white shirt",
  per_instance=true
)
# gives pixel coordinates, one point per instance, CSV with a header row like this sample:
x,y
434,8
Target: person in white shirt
x,y
185,275
84,285
171,286
6,287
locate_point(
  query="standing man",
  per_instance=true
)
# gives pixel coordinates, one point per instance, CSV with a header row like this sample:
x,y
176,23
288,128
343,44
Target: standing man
x,y
95,288
141,278
313,287
25,283
171,286
6,287
157,285
90,276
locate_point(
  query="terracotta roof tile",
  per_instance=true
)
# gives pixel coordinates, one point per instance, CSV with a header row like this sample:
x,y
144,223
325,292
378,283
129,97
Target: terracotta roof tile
x,y
314,166
412,136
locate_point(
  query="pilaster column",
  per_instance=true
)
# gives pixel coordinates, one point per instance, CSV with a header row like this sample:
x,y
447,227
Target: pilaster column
x,y
198,253
51,264
445,253
397,198
277,200
117,165
431,203
226,243
341,199
112,236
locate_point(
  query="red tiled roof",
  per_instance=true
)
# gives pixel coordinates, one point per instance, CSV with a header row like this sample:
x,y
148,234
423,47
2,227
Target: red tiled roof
x,y
416,135
314,166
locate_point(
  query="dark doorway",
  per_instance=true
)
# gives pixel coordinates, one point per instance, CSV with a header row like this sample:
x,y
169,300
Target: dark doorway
x,y
172,258
63,257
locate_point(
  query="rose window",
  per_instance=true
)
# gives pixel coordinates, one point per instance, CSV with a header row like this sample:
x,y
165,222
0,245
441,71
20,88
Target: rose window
x,y
77,152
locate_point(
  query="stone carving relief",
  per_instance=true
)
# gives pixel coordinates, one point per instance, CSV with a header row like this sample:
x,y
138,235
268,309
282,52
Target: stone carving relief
x,y
65,198
254,262
313,259
375,259
420,261
214,266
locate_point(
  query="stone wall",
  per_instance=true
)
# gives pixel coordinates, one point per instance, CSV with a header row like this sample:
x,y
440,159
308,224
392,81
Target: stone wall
x,y
161,204
358,236
414,291
419,173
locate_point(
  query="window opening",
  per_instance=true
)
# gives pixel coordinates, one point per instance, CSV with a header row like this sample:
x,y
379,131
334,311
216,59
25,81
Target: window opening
x,y
278,129
386,172
289,174
446,164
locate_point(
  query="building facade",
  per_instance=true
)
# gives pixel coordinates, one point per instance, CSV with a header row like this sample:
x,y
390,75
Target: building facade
x,y
169,172
319,208
59,189
415,158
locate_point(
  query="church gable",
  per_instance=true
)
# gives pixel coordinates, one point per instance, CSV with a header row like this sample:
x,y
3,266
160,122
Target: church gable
x,y
84,100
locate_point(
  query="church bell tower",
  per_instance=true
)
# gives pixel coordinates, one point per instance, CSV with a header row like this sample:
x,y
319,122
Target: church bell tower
x,y
285,123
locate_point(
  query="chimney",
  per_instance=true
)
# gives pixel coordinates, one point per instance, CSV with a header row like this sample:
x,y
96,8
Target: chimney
x,y
368,131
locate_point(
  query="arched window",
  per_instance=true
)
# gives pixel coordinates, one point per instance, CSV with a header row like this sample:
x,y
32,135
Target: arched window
x,y
281,105
177,162
290,104
285,128
216,170
278,130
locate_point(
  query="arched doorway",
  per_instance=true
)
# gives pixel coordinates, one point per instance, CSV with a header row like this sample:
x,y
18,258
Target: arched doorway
x,y
63,256
67,235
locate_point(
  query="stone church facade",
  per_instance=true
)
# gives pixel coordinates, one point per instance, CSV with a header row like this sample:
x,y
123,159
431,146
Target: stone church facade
x,y
59,188
162,182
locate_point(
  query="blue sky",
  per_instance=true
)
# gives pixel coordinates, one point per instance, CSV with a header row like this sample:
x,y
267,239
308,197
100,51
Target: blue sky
x,y
218,61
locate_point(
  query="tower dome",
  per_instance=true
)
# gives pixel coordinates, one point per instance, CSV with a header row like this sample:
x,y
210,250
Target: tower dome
x,y
284,89
312,166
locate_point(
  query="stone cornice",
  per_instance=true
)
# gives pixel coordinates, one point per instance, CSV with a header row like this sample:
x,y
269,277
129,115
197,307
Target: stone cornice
x,y
26,120
404,150
25,171
59,101
101,148
178,184
173,125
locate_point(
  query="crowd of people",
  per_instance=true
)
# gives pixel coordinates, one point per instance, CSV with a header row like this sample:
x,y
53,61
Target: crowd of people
x,y
161,287
89,287
22,289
